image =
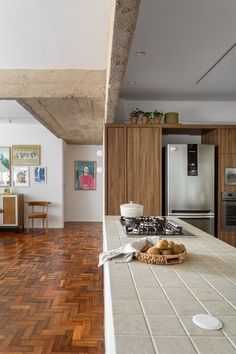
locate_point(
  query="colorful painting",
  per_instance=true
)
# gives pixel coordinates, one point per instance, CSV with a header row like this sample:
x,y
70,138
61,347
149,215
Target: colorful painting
x,y
5,166
40,174
85,178
21,176
26,155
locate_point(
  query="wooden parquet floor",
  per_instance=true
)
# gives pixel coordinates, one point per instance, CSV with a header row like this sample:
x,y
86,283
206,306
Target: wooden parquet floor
x,y
51,291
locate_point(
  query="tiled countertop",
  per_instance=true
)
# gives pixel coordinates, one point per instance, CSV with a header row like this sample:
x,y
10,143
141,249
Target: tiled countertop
x,y
149,308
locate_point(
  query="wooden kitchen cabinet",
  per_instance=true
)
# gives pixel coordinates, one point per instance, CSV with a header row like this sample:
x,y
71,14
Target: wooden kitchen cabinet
x,y
228,141
115,170
133,160
143,168
12,210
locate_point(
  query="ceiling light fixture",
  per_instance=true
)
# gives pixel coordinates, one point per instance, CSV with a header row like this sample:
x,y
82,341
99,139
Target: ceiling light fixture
x,y
140,54
132,82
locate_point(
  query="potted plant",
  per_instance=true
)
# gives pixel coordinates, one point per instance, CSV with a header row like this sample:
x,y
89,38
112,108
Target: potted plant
x,y
146,117
134,115
157,115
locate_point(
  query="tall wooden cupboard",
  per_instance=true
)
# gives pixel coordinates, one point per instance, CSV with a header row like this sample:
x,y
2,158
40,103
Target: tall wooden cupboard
x,y
133,160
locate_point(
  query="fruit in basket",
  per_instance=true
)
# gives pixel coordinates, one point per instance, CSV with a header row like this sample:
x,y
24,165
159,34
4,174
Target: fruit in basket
x,y
154,250
167,252
162,244
170,245
179,248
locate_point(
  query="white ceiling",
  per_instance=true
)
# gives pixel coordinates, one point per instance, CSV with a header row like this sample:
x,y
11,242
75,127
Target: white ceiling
x,y
182,40
47,34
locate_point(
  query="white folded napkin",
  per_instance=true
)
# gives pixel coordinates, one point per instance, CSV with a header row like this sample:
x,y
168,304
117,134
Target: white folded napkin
x,y
126,252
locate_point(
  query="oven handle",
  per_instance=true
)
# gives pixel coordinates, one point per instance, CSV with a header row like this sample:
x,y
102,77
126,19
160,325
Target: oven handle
x,y
229,200
193,216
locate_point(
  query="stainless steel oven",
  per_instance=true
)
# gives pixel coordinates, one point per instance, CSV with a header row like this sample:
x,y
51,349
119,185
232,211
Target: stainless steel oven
x,y
229,211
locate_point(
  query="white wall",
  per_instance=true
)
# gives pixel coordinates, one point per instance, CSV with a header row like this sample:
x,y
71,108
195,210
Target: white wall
x,y
82,205
189,111
51,156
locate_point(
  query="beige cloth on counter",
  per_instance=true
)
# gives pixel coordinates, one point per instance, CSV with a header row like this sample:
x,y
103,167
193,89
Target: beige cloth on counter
x,y
126,252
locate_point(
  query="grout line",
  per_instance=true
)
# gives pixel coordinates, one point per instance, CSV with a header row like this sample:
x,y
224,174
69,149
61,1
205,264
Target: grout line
x,y
177,315
144,314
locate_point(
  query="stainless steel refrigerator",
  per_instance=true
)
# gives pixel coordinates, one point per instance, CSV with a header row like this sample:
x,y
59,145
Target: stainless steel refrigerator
x,y
190,184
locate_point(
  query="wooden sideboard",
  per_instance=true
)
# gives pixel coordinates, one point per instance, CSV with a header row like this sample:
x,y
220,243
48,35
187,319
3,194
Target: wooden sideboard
x,y
133,155
12,210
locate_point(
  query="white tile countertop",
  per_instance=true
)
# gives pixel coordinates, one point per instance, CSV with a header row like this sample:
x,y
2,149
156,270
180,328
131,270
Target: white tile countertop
x,y
149,308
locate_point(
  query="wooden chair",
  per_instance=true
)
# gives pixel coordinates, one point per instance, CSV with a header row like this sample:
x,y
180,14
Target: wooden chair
x,y
41,212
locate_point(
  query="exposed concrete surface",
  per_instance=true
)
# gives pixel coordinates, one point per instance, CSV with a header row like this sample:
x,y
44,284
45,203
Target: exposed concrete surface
x,y
52,83
76,120
70,103
126,13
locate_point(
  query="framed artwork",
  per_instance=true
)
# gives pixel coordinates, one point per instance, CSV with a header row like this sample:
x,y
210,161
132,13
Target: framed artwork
x,y
40,174
26,155
85,175
230,175
5,166
21,176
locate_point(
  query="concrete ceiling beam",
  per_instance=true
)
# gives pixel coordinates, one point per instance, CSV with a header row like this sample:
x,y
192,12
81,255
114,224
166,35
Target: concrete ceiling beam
x,y
126,13
70,103
52,83
75,120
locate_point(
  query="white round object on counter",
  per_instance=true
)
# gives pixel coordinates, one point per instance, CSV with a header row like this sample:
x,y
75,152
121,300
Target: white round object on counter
x,y
207,322
131,210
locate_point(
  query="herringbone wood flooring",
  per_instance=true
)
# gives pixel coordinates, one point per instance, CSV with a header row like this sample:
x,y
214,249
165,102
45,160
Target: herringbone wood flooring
x,y
51,292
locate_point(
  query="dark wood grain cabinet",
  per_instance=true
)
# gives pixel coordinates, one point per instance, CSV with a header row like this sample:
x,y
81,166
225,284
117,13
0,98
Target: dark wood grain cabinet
x,y
133,158
227,141
115,169
143,168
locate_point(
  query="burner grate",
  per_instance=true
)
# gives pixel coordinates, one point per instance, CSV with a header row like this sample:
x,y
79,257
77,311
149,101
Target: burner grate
x,y
150,225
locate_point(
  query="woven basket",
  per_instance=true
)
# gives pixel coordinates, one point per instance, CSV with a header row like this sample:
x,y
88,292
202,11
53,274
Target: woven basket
x,y
161,259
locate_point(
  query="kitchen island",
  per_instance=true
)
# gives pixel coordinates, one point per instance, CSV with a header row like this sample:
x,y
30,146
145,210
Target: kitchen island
x,y
149,308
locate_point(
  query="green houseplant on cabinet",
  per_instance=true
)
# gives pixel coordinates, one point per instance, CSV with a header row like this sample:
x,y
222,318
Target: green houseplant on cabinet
x,y
134,115
146,117
157,116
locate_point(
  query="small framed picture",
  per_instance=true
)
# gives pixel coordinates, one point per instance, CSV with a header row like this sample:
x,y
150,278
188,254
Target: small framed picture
x,y
26,155
21,176
5,166
85,175
230,176
40,174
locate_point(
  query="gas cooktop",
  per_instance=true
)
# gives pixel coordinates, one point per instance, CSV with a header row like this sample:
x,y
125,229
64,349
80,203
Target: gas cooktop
x,y
152,226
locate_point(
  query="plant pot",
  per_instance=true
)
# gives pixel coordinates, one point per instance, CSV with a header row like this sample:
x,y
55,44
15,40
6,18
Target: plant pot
x,y
134,119
157,119
172,118
144,120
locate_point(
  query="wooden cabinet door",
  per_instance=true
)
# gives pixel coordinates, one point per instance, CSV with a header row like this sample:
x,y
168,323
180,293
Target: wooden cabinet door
x,y
143,168
115,169
228,141
9,211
